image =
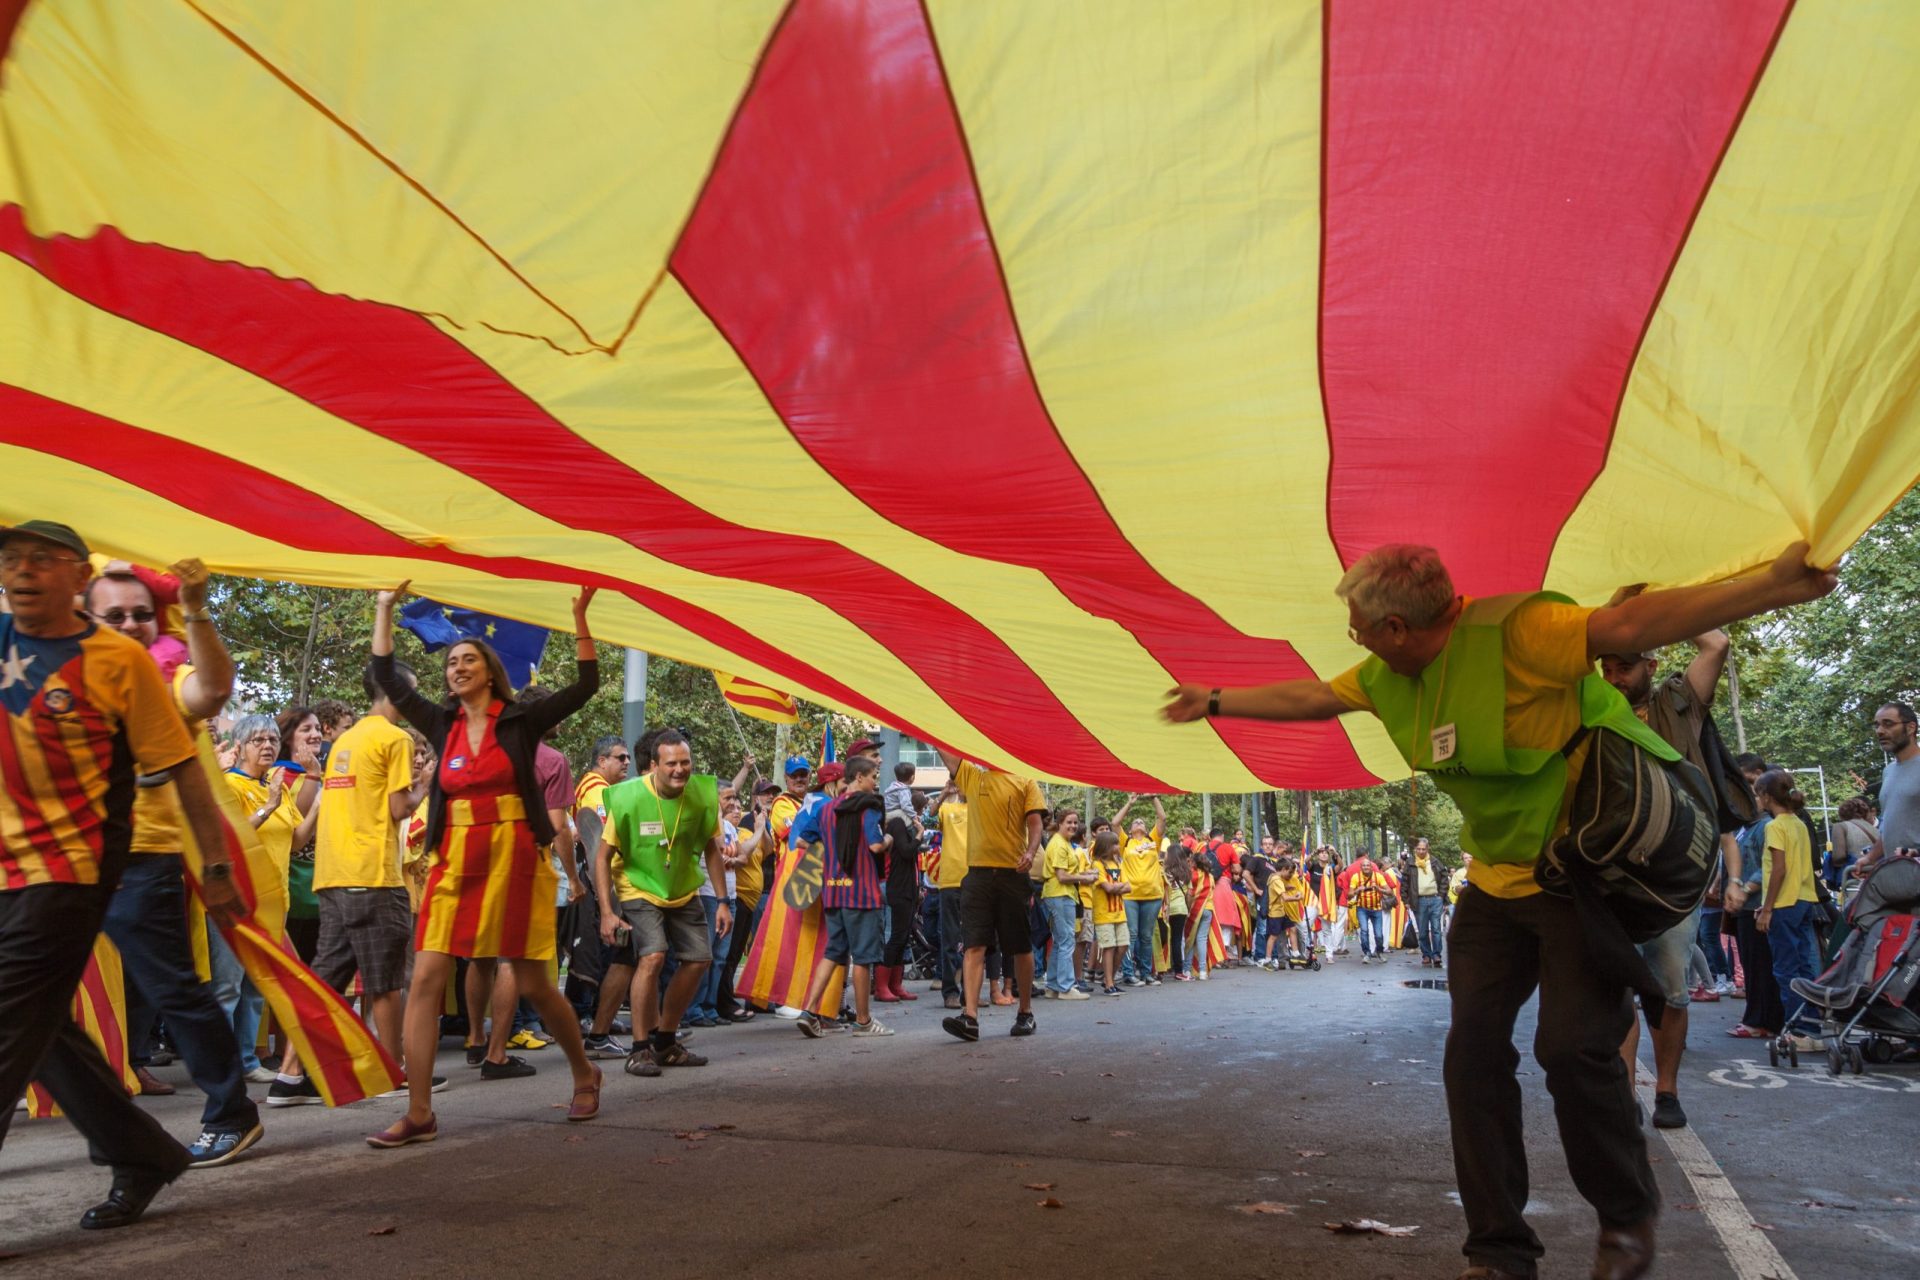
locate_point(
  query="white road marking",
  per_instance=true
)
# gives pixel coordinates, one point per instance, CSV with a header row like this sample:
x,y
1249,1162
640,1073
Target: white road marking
x,y
1748,1249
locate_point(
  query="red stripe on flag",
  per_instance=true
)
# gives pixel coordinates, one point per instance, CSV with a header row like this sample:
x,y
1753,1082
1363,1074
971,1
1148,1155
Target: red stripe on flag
x,y
784,705
257,502
842,249
1507,186
394,374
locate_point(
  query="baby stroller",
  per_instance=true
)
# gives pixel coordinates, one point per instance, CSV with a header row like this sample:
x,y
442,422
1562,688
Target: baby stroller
x,y
1867,995
923,956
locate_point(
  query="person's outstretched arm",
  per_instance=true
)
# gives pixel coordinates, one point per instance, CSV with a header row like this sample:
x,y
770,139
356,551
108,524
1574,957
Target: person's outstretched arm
x,y
1656,618
1282,700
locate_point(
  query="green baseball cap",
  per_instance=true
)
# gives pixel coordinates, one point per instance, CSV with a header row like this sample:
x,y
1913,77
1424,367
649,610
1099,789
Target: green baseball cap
x,y
50,531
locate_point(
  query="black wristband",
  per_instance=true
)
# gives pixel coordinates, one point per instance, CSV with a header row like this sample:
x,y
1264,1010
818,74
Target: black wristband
x,y
1213,703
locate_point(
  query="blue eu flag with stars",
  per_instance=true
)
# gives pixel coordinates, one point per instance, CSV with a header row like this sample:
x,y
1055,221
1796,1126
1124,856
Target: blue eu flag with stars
x,y
519,644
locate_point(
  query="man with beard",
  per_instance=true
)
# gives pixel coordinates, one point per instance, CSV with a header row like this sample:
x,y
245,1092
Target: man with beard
x,y
1893,726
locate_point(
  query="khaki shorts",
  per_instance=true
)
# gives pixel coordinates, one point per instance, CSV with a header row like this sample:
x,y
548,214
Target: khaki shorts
x,y
1112,935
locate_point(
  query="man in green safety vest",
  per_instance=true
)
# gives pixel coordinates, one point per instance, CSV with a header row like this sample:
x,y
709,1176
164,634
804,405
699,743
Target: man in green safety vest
x,y
1483,695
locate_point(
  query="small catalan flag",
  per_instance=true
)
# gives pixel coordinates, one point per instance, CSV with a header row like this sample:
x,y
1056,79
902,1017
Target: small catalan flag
x,y
757,700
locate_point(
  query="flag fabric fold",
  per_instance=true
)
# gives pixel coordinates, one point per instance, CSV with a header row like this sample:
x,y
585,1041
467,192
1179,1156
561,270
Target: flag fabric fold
x,y
757,700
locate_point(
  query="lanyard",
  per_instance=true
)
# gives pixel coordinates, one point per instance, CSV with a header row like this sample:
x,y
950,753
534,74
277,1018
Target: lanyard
x,y
679,811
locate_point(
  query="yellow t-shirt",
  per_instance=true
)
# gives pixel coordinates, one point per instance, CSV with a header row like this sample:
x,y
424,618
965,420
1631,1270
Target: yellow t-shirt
x,y
953,844
355,846
1545,659
1787,838
276,833
1142,863
1062,858
997,808
1286,896
1085,856
1109,908
159,825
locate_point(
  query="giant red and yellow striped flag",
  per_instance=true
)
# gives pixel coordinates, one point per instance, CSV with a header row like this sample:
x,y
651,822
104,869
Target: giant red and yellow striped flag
x,y
976,367
340,1055
757,700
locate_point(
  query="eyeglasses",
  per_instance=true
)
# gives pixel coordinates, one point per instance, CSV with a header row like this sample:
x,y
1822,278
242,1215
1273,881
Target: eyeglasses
x,y
265,740
117,617
1354,633
623,758
37,557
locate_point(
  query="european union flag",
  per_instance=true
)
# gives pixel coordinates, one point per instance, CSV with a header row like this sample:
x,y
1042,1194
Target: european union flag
x,y
519,644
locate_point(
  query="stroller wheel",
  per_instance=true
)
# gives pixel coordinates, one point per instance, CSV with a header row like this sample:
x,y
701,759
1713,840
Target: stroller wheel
x,y
1773,1053
1879,1052
1836,1058
1856,1059
1793,1055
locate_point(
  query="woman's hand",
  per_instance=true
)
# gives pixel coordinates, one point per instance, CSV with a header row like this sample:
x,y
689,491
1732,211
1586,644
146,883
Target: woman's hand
x,y
276,791
307,758
385,600
580,603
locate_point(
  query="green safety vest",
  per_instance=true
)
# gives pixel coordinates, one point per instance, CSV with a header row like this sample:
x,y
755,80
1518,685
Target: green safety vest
x,y
663,842
1509,797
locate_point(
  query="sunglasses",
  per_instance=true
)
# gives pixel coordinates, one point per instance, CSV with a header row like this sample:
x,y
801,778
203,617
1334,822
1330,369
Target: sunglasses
x,y
115,617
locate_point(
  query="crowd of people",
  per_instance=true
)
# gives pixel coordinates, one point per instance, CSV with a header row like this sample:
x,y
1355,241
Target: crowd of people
x,y
440,861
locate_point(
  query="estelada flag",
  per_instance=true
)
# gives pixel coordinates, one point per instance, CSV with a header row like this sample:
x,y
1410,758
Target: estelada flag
x,y
100,1009
757,700
339,1053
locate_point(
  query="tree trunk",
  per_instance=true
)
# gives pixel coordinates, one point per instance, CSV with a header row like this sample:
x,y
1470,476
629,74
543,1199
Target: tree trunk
x,y
1733,700
320,605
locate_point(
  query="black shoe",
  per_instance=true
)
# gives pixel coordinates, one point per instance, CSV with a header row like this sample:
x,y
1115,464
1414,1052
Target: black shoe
x,y
512,1069
678,1055
476,1054
1667,1113
962,1027
216,1147
125,1203
282,1094
1023,1025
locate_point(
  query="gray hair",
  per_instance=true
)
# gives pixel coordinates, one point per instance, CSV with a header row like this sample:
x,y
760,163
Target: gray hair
x,y
252,724
1399,579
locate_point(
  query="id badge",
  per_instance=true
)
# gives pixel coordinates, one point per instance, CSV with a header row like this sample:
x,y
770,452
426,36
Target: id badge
x,y
653,828
1445,741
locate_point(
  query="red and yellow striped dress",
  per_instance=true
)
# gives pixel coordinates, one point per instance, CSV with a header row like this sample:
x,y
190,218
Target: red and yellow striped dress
x,y
491,890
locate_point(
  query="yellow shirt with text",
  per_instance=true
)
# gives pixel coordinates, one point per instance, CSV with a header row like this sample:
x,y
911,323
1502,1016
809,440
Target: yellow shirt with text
x,y
997,808
356,845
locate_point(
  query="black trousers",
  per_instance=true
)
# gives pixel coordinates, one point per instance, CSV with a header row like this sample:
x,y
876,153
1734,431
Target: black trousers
x,y
46,938
1176,927
1764,1011
1499,951
901,902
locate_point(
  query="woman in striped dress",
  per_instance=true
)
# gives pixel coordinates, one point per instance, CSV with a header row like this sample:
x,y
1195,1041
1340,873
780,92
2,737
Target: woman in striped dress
x,y
491,889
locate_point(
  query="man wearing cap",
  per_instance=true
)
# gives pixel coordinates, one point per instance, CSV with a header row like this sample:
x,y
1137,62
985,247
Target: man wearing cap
x,y
1676,708
86,711
147,917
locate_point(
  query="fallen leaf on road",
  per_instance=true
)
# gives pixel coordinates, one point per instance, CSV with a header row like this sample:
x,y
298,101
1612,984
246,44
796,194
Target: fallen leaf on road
x,y
1056,1073
1762,1226
1266,1206
1038,1186
1106,1075
1049,1203
1308,1155
1022,1164
1102,1022
1123,1133
1079,1119
664,1160
1008,1080
381,1231
1367,1227
691,1136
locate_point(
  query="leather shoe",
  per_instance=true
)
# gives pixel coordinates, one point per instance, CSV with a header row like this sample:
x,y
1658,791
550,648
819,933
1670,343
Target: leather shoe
x,y
1624,1253
125,1204
152,1086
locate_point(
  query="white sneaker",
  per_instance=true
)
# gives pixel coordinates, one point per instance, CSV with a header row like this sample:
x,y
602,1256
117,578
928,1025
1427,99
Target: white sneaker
x,y
871,1027
260,1075
787,1011
1072,993
1203,974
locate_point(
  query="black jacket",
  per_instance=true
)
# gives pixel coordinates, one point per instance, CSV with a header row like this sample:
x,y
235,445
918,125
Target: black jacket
x,y
1409,875
519,731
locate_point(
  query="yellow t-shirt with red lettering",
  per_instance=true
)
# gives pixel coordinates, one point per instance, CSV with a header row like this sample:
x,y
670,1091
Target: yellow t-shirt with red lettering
x,y
356,845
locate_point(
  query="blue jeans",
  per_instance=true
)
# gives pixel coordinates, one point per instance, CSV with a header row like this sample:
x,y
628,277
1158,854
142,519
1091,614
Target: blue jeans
x,y
238,998
147,920
1260,926
1373,932
706,999
1427,920
1060,963
1143,922
950,939
1202,959
1709,937
1790,935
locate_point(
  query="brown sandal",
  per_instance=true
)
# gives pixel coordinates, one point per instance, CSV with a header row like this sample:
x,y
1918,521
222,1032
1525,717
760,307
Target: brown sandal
x,y
577,1110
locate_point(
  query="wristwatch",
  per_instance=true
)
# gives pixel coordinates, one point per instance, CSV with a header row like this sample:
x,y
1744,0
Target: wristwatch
x,y
1213,703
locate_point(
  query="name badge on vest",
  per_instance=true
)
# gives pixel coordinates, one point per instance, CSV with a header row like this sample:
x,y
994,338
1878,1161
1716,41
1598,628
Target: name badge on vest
x,y
653,828
1446,739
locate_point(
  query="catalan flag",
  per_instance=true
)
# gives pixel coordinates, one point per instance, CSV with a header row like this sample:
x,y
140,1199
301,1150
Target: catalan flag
x,y
341,1056
886,387
760,701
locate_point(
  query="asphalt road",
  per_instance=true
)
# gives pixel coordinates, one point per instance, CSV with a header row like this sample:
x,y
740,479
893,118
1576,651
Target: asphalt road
x,y
1161,1122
